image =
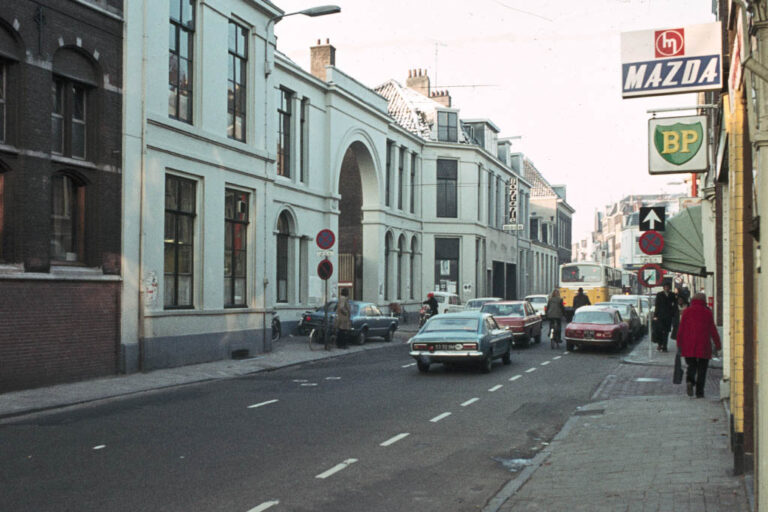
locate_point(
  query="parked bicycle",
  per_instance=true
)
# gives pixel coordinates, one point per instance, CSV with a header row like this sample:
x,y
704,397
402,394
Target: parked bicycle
x,y
276,328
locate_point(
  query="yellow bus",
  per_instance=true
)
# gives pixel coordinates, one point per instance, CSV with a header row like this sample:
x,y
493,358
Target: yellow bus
x,y
599,282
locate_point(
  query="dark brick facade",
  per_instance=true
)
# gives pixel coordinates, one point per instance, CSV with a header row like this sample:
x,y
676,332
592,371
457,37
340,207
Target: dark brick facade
x,y
59,330
66,331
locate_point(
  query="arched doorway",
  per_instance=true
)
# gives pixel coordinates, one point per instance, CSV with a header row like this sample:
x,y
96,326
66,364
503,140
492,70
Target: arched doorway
x,y
358,189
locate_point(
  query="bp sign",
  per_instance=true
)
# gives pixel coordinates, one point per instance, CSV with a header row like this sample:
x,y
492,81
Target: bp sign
x,y
678,145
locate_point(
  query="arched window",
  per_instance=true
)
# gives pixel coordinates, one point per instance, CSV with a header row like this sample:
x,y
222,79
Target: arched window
x,y
74,78
283,257
67,219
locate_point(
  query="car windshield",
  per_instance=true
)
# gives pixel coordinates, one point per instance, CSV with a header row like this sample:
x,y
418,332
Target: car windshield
x,y
581,274
449,323
623,300
621,307
537,300
593,317
504,309
476,303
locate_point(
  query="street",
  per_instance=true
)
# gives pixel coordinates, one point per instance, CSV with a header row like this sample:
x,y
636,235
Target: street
x,y
365,431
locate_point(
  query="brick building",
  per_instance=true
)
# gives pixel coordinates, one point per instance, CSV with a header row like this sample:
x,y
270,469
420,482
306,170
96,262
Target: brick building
x,y
60,190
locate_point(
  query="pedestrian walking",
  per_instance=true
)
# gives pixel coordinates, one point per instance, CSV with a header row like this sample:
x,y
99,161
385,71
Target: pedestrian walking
x,y
581,299
682,303
665,310
695,336
555,314
342,323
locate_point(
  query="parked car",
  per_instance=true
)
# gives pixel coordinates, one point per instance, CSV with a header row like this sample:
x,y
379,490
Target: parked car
x,y
539,303
596,326
517,316
366,318
629,315
446,302
641,305
473,304
472,337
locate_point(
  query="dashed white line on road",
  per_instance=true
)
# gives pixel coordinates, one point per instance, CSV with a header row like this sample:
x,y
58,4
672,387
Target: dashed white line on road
x,y
440,417
264,506
470,402
262,404
515,377
566,353
333,378
310,384
395,439
556,358
300,380
545,363
99,447
336,468
407,365
529,370
496,387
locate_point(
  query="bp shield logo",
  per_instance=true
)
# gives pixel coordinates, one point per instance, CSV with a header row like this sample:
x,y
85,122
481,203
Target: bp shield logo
x,y
679,142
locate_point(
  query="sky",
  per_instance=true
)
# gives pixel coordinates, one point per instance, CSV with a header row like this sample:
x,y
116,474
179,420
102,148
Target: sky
x,y
546,70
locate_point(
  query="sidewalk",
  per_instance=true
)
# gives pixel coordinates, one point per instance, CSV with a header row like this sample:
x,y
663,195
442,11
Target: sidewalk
x,y
638,453
290,350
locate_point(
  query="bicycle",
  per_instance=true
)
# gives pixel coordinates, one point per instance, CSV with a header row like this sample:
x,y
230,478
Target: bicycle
x,y
554,333
317,339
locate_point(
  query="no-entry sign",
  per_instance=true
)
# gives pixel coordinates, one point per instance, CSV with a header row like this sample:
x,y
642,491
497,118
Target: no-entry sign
x,y
651,242
650,275
325,270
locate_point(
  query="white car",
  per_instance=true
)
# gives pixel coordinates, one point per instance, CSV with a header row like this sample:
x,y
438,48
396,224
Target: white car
x,y
472,305
539,303
642,305
447,302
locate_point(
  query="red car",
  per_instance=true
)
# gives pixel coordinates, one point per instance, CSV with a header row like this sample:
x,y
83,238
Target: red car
x,y
517,316
598,326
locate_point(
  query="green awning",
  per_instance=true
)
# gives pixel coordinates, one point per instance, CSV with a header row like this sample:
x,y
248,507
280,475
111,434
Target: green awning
x,y
683,243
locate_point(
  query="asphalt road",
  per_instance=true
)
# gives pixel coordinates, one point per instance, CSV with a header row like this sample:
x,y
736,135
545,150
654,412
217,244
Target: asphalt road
x,y
364,432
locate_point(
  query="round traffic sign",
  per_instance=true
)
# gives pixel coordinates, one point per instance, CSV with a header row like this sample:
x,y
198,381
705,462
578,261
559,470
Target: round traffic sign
x,y
325,239
650,275
651,242
325,269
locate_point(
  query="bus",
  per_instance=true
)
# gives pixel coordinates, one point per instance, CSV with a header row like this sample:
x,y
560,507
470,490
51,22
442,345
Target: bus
x,y
599,281
629,283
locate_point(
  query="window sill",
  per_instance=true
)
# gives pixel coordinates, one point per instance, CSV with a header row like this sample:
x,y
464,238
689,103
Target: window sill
x,y
161,313
57,273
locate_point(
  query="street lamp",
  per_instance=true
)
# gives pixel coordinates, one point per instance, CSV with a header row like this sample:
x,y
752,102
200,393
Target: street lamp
x,y
312,12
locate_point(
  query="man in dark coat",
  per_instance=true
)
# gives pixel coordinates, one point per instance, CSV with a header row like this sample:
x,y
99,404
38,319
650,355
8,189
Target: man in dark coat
x,y
695,336
343,319
555,314
665,311
432,303
581,299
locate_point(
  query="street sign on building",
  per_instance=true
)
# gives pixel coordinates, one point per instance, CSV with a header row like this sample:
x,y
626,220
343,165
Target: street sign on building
x,y
324,270
652,218
671,61
325,239
513,201
650,275
678,145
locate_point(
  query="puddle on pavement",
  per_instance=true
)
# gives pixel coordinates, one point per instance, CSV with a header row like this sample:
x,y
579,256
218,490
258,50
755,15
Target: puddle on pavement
x,y
513,465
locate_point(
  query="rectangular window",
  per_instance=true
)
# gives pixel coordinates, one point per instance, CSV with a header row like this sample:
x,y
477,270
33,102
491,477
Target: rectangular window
x,y
447,171
388,177
535,229
57,117
400,178
544,234
235,247
180,57
68,118
447,264
303,139
2,100
490,200
180,211
67,219
284,112
236,81
479,192
413,182
447,126
78,121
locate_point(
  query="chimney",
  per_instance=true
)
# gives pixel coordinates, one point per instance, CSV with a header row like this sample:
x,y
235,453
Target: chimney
x,y
418,81
442,97
322,55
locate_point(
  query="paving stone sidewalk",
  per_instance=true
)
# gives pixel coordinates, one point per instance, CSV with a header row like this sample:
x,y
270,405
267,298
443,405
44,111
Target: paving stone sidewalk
x,y
644,445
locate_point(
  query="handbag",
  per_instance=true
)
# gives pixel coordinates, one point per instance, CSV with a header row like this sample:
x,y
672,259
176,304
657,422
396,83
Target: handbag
x,y
677,375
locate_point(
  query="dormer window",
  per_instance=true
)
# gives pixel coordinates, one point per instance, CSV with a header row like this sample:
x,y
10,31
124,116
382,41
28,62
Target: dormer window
x,y
447,126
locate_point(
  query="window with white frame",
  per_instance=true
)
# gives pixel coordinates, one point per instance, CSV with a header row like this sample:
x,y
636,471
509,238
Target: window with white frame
x,y
284,115
180,59
180,212
283,258
237,59
303,140
235,247
447,190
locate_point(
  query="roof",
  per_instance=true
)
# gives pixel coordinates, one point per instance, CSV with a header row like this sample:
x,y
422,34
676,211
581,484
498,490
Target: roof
x,y
540,187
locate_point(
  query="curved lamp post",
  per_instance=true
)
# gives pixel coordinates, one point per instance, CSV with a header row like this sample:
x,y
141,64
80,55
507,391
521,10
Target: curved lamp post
x,y
321,10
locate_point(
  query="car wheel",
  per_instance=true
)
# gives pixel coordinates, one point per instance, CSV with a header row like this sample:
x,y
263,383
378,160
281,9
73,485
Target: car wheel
x,y
507,357
569,346
362,337
537,338
423,366
487,364
390,333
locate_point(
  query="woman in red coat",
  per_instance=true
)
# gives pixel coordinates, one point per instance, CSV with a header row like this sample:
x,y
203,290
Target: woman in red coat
x,y
695,335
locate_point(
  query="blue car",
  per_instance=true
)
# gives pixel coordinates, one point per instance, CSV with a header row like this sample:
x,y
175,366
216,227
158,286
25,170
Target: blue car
x,y
472,337
366,318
